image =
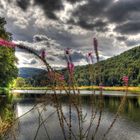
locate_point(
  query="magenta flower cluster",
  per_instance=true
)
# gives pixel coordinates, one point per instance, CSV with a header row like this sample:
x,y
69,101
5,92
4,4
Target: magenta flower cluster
x,y
89,58
7,43
70,64
43,54
125,80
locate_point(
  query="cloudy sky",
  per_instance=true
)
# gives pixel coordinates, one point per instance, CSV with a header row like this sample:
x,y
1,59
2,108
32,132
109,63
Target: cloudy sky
x,y
55,25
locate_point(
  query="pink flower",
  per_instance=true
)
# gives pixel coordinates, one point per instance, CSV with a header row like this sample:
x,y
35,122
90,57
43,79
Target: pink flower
x,y
43,54
90,58
67,51
89,54
7,43
61,77
68,56
70,67
125,80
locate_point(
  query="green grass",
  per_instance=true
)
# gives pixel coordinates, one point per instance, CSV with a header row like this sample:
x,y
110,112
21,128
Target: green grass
x,y
130,89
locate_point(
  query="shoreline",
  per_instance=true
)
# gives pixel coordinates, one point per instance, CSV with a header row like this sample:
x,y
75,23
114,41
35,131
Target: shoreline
x,y
123,88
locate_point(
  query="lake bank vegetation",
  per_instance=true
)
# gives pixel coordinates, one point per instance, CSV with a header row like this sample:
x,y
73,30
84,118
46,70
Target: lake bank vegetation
x,y
105,88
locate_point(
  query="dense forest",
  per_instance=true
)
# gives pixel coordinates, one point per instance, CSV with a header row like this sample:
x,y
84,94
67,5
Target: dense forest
x,y
109,72
8,70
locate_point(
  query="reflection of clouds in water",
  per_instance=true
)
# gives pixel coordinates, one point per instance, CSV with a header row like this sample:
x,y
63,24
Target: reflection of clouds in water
x,y
20,110
29,123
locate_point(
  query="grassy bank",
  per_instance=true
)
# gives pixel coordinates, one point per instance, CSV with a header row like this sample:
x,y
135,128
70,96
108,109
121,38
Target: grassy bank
x,y
130,89
122,88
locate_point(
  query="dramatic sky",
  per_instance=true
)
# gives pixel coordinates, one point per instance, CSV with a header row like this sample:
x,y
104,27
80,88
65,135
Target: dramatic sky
x,y
55,25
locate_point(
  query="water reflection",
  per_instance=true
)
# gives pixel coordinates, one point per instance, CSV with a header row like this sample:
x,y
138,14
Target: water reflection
x,y
127,126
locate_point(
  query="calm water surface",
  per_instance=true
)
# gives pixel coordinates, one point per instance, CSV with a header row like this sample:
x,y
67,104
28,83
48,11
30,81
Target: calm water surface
x,y
127,126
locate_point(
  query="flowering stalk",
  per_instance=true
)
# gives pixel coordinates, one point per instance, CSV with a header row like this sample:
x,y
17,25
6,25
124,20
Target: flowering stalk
x,y
7,43
121,106
70,67
95,43
70,64
43,54
89,58
125,80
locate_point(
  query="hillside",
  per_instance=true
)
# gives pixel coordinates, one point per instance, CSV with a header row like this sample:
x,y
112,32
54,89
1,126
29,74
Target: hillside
x,y
113,69
110,71
26,72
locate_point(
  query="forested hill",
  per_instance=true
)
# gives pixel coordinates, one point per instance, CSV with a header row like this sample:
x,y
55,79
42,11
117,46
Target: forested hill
x,y
113,69
110,71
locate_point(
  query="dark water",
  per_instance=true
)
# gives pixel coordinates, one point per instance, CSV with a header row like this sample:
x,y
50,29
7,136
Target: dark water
x,y
127,126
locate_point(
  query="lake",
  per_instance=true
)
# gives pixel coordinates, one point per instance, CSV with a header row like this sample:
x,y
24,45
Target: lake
x,y
126,127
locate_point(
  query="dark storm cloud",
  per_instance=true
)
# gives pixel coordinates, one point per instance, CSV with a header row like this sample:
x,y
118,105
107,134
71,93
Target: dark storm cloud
x,y
38,38
93,8
73,1
94,14
128,28
49,6
121,11
115,12
98,25
23,4
76,56
88,14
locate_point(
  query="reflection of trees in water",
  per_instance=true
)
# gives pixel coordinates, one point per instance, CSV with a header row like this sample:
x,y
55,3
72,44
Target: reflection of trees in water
x,y
60,105
131,107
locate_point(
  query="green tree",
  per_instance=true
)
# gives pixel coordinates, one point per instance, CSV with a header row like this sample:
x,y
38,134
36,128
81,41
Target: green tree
x,y
21,82
8,70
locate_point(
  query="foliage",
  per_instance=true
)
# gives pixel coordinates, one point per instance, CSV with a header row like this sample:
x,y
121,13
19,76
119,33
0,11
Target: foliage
x,y
112,70
8,70
21,82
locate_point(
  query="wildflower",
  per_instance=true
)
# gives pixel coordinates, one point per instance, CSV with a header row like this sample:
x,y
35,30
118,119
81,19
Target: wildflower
x,y
70,67
95,43
7,43
67,51
43,54
61,77
90,57
125,80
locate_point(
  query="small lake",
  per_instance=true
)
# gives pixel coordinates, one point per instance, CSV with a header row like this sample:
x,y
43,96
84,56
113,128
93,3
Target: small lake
x,y
126,127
